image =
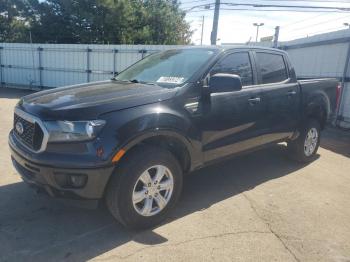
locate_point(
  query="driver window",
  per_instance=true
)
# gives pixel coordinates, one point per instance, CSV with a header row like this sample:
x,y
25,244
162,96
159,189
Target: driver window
x,y
238,64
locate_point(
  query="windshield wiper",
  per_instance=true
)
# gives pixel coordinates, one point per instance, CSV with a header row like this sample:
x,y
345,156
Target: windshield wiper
x,y
136,81
142,82
130,81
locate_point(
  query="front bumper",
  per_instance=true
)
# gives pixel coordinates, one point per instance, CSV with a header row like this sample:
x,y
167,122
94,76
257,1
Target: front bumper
x,y
44,177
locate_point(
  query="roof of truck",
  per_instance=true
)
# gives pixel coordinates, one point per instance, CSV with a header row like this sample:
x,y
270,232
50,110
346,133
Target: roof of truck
x,y
232,47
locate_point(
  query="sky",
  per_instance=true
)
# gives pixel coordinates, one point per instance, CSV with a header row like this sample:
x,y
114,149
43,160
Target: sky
x,y
236,26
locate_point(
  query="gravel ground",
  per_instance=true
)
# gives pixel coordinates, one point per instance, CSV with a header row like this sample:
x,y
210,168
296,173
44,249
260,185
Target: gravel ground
x,y
257,207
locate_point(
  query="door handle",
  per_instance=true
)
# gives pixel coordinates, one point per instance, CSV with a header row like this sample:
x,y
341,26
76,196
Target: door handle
x,y
291,93
254,100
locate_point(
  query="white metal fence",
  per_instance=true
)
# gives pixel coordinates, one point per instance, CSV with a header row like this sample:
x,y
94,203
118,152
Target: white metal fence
x,y
51,65
54,65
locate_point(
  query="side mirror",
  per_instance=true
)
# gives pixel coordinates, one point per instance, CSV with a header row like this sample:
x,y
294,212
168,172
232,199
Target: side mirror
x,y
220,83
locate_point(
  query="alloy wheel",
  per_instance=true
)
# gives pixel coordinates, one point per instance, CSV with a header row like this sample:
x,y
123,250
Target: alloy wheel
x,y
153,190
311,142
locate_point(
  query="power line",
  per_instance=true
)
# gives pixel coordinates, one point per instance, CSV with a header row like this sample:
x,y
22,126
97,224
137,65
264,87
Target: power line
x,y
291,24
295,1
337,28
319,23
254,5
268,10
313,1
194,16
303,20
291,6
195,1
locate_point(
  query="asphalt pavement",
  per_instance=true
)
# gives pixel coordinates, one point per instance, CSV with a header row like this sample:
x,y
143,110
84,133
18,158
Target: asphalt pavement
x,y
257,207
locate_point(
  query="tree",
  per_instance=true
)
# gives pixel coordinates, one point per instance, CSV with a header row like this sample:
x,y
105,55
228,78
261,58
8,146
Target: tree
x,y
98,22
13,25
166,22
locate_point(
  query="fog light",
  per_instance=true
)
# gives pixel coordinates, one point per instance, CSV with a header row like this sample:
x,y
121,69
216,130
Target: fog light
x,y
78,180
68,180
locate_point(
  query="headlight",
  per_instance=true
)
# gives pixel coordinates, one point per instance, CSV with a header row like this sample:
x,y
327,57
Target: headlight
x,y
60,131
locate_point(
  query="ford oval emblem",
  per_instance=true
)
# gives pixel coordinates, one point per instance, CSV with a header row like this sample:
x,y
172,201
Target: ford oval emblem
x,y
19,128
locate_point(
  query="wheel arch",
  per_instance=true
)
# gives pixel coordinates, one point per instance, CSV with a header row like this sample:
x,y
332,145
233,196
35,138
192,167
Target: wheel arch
x,y
172,141
318,108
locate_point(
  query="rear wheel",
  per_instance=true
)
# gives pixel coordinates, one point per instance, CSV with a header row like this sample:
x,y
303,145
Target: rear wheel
x,y
145,187
305,147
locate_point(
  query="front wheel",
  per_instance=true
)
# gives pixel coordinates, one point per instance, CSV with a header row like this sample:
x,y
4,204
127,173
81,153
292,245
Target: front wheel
x,y
145,187
305,147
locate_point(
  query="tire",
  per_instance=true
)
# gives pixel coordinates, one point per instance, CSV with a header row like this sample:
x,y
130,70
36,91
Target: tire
x,y
126,186
299,149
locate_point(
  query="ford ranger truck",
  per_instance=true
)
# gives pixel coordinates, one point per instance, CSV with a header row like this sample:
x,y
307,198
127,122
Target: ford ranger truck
x,y
129,141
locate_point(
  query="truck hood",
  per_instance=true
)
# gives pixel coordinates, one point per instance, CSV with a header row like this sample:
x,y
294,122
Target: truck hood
x,y
88,101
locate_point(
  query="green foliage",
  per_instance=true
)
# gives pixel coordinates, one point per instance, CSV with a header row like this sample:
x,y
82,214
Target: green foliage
x,y
94,21
13,27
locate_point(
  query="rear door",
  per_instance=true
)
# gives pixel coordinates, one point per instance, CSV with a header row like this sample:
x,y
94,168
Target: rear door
x,y
280,93
232,121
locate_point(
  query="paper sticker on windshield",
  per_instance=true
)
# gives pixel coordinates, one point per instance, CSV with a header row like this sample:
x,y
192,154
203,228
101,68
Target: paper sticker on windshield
x,y
170,79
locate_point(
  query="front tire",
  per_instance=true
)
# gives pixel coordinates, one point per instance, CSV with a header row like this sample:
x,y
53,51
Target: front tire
x,y
305,147
145,187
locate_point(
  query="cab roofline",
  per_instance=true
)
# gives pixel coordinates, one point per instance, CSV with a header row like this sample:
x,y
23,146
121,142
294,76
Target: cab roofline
x,y
231,47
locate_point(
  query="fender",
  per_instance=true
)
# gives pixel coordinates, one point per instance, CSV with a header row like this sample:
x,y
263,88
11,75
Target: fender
x,y
321,99
130,127
317,104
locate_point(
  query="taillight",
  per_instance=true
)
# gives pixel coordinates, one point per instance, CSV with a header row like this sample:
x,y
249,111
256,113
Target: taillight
x,y
338,93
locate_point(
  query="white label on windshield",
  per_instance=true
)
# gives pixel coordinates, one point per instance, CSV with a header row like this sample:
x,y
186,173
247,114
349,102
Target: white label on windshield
x,y
170,79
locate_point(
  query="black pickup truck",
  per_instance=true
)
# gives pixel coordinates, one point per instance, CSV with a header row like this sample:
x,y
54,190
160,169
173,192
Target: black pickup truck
x,y
131,139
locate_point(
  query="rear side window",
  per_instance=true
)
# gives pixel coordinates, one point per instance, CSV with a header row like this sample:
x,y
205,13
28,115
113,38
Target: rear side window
x,y
273,68
238,64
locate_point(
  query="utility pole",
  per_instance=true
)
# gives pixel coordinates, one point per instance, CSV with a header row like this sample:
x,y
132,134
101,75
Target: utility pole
x,y
214,32
275,39
202,29
257,30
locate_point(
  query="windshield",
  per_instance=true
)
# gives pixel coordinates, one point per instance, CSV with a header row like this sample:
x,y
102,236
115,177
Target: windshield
x,y
169,68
